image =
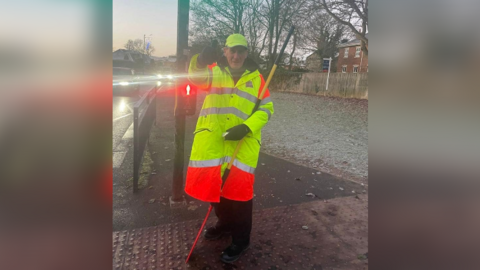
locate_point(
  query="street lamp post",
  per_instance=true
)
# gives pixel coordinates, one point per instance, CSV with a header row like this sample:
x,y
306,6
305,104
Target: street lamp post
x,y
329,65
177,198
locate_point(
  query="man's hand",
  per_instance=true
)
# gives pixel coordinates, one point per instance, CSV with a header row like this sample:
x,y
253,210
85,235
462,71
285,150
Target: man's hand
x,y
207,57
237,133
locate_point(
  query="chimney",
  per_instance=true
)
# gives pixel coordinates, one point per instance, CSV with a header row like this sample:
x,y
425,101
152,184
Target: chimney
x,y
356,35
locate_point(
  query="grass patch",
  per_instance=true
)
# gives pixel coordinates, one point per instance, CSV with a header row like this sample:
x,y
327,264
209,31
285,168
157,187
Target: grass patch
x,y
362,257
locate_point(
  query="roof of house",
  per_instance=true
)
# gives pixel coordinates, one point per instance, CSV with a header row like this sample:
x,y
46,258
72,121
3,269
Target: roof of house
x,y
353,42
314,54
131,52
127,51
164,58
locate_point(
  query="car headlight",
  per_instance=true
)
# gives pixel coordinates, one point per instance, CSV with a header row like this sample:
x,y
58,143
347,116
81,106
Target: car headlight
x,y
159,76
124,83
159,83
122,106
170,77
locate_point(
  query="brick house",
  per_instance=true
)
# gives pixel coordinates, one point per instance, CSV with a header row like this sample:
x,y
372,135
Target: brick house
x,y
351,58
314,62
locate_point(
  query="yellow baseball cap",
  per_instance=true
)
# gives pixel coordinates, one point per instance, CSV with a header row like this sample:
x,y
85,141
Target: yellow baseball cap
x,y
236,40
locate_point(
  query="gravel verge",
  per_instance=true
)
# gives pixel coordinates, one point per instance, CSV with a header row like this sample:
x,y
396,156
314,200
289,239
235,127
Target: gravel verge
x,y
325,133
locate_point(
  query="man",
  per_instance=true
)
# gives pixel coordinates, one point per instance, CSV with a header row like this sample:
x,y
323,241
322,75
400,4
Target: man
x,y
234,85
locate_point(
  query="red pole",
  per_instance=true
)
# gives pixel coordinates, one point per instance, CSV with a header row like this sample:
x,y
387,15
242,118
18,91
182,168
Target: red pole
x,y
199,232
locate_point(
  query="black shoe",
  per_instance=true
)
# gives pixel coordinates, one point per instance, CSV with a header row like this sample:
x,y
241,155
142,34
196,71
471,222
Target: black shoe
x,y
233,253
214,233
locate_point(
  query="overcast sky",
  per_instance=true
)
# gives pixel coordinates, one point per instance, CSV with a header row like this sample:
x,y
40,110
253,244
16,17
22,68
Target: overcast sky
x,y
134,18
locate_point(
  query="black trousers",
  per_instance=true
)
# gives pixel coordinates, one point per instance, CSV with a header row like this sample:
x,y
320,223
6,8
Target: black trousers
x,y
235,216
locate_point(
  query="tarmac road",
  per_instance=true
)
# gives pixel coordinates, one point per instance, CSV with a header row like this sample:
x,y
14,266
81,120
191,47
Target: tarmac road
x,y
122,126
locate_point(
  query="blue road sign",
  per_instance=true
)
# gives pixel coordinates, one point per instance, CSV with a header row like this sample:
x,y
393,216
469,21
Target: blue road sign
x,y
326,64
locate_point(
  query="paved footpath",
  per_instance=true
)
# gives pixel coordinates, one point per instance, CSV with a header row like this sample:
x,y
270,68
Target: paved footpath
x,y
303,218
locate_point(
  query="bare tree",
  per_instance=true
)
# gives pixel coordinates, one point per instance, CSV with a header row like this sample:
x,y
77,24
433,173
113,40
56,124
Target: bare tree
x,y
220,16
217,19
263,22
290,61
255,31
129,45
151,50
280,15
351,13
135,45
321,33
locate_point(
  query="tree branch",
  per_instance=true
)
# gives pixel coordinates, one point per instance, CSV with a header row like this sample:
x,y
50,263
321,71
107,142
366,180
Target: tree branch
x,y
360,35
357,10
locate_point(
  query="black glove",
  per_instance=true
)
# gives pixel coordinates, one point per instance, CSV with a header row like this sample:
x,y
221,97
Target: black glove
x,y
207,57
237,133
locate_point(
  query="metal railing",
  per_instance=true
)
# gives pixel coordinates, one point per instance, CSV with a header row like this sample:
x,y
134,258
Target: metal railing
x,y
144,114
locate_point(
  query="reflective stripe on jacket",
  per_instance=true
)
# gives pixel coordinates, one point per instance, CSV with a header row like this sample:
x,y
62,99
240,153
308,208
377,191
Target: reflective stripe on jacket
x,y
226,105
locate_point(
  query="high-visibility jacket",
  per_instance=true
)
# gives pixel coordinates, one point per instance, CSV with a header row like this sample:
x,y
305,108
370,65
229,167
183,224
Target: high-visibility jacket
x,y
226,105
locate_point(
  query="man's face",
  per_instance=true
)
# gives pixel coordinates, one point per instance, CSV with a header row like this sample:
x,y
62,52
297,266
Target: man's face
x,y
235,56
